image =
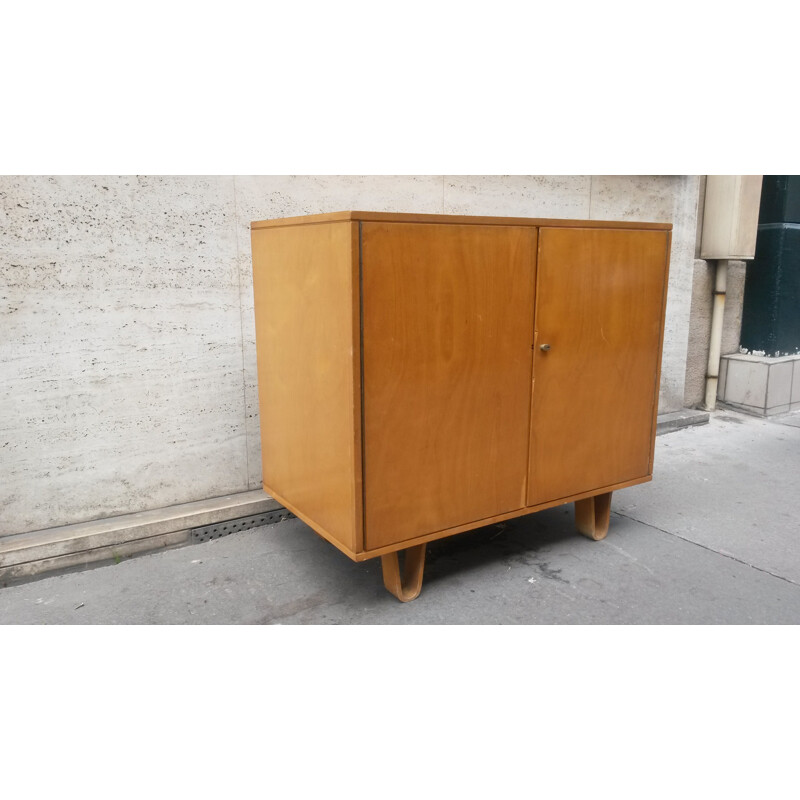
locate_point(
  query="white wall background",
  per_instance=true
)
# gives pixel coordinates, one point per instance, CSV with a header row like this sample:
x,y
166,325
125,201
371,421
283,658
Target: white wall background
x,y
127,342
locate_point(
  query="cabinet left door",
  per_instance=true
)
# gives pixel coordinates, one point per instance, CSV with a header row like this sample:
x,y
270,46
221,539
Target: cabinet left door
x,y
447,336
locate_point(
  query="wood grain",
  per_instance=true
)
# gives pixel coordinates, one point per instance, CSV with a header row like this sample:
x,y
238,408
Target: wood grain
x,y
599,305
450,435
592,516
447,333
408,586
307,330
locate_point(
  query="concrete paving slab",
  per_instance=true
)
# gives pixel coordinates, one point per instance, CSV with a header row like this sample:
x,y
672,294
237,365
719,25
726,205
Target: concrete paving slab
x,y
793,419
732,486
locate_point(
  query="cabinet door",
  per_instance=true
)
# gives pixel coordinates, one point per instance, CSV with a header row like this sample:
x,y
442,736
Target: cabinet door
x,y
599,306
447,337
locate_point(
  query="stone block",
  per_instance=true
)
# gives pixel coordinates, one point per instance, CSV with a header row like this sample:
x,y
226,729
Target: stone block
x,y
746,383
758,384
779,385
795,398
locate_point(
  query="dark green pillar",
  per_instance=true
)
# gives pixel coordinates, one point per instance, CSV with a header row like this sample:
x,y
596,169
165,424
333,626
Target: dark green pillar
x,y
771,310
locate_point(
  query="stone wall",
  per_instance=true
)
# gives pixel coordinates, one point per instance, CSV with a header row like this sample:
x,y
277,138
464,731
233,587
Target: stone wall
x,y
127,341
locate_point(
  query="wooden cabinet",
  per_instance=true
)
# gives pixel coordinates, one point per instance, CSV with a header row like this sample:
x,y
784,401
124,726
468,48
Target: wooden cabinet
x,y
423,375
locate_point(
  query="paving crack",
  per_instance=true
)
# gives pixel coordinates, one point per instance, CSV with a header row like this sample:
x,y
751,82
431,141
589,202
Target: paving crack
x,y
710,549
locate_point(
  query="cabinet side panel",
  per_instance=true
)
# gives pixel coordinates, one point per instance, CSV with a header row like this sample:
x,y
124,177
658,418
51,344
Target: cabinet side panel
x,y
600,309
448,326
305,287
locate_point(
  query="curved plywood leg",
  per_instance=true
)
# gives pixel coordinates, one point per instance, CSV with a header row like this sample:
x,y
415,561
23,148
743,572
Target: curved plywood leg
x,y
592,515
409,587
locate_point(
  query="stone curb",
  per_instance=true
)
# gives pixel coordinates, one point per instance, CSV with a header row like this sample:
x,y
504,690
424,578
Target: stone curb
x,y
25,555
674,421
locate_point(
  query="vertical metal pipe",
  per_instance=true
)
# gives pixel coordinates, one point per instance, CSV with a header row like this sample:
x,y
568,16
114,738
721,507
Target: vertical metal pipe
x,y
715,345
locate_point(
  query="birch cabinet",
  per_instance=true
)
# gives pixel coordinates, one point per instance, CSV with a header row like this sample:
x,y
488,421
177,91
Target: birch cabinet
x,y
423,375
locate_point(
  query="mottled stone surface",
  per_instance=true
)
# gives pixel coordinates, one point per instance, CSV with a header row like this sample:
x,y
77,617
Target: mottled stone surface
x,y
128,337
121,347
557,196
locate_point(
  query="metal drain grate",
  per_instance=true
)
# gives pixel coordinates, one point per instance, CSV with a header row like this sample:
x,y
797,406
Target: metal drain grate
x,y
219,529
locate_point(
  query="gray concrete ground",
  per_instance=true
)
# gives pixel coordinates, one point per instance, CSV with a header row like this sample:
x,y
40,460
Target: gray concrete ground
x,y
714,538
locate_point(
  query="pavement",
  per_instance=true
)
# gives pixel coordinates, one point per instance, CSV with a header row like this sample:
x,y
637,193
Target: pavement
x,y
713,539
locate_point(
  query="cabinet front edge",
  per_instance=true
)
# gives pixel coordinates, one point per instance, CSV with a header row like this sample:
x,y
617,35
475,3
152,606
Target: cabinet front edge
x,y
519,512
364,555
460,219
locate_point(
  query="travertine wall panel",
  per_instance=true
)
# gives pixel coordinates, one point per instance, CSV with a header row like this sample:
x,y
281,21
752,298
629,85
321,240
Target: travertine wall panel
x,y
557,196
121,347
127,341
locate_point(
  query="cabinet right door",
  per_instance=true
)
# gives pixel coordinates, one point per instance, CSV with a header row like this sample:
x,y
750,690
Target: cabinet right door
x,y
599,319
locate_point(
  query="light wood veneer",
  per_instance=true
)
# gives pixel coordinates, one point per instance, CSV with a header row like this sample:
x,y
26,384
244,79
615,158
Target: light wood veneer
x,y
423,375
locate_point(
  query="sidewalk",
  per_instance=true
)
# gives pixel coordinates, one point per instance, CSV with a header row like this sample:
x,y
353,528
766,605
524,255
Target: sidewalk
x,y
714,538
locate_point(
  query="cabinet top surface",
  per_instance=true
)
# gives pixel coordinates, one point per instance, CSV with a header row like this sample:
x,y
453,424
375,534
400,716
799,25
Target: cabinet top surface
x,y
380,216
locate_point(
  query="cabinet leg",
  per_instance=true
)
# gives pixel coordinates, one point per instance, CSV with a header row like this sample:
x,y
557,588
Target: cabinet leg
x,y
592,515
409,587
